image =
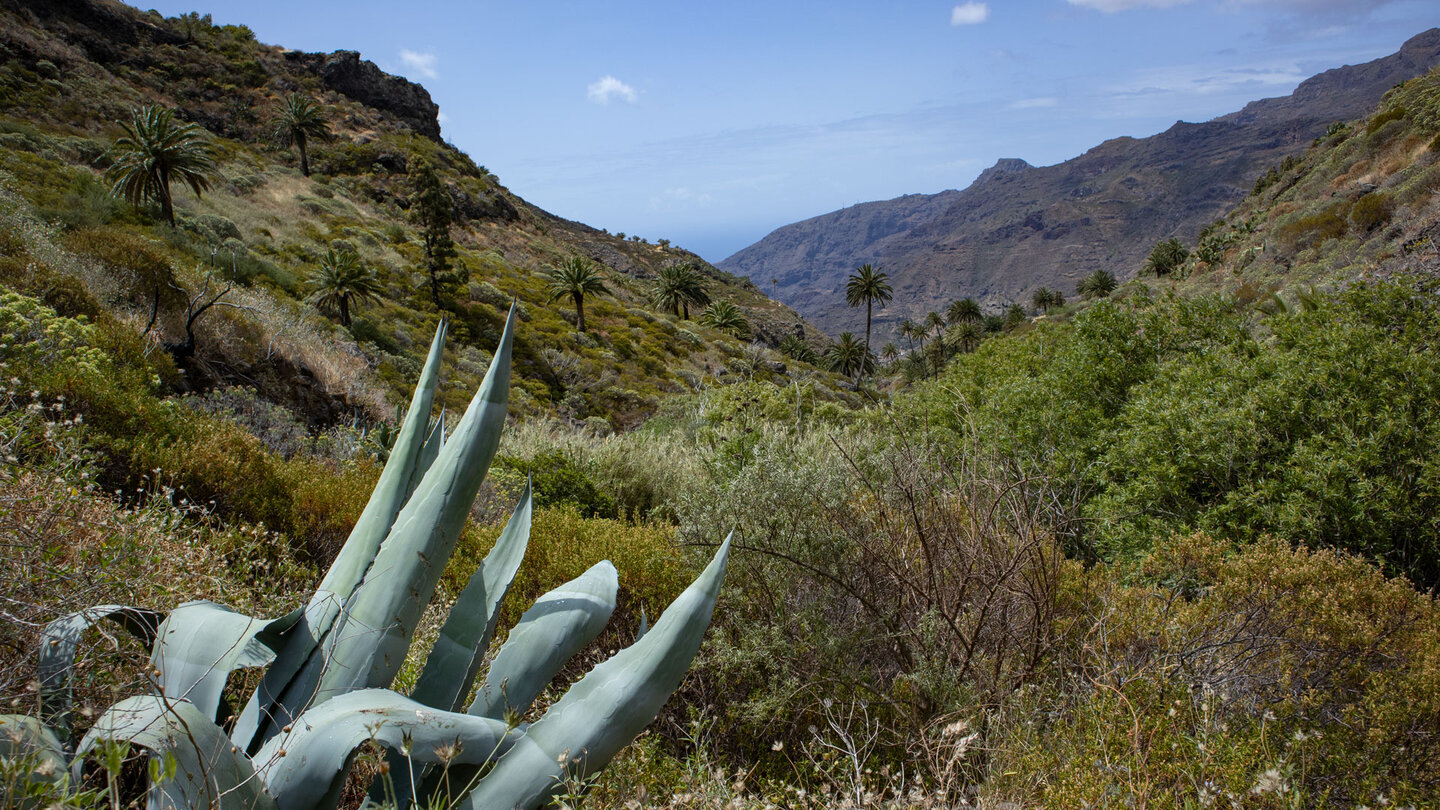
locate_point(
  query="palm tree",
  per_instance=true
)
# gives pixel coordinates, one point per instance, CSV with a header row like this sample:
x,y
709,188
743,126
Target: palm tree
x,y
1045,298
796,347
1097,285
1014,316
963,310
726,317
300,120
934,323
848,356
155,151
341,282
576,277
889,351
867,285
678,287
1166,257
965,336
910,331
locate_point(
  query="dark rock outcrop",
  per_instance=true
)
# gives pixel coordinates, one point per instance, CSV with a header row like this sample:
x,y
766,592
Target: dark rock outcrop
x,y
346,73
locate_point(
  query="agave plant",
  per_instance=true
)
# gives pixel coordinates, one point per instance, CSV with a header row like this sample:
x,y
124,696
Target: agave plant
x,y
330,664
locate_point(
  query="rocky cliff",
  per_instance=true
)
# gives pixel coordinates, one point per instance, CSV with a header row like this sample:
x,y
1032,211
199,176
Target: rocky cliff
x,y
1020,227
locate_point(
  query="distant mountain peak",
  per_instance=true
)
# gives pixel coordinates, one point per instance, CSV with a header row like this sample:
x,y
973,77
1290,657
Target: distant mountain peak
x,y
1019,227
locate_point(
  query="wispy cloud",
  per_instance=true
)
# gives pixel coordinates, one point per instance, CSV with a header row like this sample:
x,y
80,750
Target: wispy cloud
x,y
422,64
1033,103
971,13
1112,6
610,88
679,198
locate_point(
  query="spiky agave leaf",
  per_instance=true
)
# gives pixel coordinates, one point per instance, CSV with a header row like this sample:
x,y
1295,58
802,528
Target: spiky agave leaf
x,y
60,640
609,706
557,627
201,643
368,648
29,741
210,770
305,768
290,682
428,453
460,648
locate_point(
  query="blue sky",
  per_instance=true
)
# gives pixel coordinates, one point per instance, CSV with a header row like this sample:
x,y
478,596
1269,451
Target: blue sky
x,y
712,124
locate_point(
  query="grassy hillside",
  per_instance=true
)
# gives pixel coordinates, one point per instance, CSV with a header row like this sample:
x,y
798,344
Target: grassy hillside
x,y
75,71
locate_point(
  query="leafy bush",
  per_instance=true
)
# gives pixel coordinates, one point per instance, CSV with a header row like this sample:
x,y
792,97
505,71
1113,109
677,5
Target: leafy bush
x,y
1371,211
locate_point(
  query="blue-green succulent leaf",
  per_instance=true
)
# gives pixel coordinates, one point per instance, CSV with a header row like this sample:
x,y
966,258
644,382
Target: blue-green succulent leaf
x,y
209,770
367,649
201,643
60,640
304,768
559,625
607,708
290,683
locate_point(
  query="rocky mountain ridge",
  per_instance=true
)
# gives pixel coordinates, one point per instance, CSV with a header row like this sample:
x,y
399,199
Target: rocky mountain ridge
x,y
1019,227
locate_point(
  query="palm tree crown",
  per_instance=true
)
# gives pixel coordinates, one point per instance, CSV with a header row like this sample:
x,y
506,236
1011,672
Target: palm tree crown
x,y
963,310
576,277
155,151
726,317
868,286
678,287
300,120
1097,285
848,356
340,282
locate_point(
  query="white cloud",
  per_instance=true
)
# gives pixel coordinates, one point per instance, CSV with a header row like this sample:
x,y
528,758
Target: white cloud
x,y
610,88
1032,103
679,199
423,64
971,13
1112,6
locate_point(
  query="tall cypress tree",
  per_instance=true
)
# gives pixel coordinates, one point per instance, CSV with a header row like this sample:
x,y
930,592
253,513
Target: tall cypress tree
x,y
432,208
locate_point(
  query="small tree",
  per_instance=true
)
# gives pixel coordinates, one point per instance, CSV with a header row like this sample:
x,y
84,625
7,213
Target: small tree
x,y
1097,285
156,151
576,277
299,121
796,347
868,286
726,317
434,213
1043,299
678,287
849,357
963,310
341,282
1014,316
1166,257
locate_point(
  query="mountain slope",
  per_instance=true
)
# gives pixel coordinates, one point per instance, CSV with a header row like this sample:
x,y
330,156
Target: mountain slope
x,y
1018,227
70,70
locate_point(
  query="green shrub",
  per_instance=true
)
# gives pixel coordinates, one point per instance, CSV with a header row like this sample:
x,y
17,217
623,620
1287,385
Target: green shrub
x,y
1371,211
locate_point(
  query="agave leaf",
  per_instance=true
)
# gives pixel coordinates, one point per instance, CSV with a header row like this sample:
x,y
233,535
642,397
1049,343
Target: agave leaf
x,y
210,771
305,768
201,643
380,618
460,648
450,670
609,706
58,644
289,684
428,453
561,623
25,739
